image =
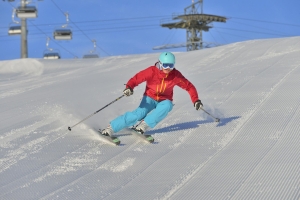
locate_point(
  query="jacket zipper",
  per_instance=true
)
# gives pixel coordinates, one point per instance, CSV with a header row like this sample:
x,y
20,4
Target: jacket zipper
x,y
163,87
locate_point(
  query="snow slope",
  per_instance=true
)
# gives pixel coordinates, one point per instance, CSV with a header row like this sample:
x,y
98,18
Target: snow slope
x,y
253,153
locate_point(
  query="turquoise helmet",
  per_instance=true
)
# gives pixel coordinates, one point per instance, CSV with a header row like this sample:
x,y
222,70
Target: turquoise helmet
x,y
167,57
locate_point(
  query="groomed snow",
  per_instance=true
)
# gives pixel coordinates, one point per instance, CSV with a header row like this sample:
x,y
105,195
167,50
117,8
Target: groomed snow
x,y
253,153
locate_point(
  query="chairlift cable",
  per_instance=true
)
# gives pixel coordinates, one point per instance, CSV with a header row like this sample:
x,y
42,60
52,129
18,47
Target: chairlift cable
x,y
79,28
270,22
254,26
84,22
54,40
249,31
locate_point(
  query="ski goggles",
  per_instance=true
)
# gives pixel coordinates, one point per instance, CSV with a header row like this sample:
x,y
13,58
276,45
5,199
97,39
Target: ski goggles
x,y
166,65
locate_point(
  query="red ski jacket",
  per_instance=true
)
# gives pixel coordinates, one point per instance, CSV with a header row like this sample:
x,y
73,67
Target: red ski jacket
x,y
159,86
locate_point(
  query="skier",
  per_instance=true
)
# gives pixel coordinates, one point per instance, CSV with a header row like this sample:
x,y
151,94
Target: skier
x,y
157,100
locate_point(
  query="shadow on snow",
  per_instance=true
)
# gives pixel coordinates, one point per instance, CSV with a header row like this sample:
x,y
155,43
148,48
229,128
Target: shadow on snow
x,y
193,124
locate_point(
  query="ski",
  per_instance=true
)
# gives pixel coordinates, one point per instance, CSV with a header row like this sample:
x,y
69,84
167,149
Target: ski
x,y
111,139
147,138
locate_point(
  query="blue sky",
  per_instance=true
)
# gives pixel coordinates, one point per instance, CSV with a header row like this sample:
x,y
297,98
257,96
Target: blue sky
x,y
133,27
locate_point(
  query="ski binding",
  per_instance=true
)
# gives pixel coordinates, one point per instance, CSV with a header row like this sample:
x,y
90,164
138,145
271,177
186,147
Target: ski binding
x,y
111,139
145,137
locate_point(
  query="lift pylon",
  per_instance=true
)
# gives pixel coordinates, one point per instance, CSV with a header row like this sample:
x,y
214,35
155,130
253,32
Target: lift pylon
x,y
195,22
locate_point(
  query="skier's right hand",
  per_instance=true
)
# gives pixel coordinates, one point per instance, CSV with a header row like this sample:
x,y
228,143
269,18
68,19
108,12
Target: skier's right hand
x,y
128,91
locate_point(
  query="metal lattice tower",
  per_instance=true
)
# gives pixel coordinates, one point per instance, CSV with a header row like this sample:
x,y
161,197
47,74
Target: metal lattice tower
x,y
195,22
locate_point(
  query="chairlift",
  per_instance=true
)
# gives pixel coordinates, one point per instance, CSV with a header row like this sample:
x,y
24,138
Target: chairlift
x,y
14,30
92,53
63,33
50,53
91,56
26,12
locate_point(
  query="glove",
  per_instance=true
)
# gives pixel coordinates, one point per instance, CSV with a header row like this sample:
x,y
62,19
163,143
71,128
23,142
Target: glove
x,y
198,104
128,91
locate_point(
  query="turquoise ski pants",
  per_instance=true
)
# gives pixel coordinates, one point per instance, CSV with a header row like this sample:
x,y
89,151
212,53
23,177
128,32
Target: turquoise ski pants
x,y
159,111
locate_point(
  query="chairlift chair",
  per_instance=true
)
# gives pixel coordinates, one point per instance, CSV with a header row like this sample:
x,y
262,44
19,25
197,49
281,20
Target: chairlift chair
x,y
62,34
14,30
14,27
26,12
51,55
91,56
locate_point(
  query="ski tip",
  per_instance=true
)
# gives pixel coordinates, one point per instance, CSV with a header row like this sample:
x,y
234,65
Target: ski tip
x,y
149,138
69,128
116,141
151,141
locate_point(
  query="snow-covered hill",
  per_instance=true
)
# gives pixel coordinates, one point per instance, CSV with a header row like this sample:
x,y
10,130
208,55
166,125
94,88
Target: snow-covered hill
x,y
253,153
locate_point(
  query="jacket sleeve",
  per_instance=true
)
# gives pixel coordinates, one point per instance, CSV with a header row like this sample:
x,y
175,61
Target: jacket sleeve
x,y
140,77
188,86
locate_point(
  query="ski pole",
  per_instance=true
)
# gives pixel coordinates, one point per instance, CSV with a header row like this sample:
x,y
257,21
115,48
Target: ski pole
x,y
70,127
216,119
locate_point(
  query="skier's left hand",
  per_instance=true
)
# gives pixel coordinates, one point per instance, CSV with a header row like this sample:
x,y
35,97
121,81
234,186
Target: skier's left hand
x,y
198,104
